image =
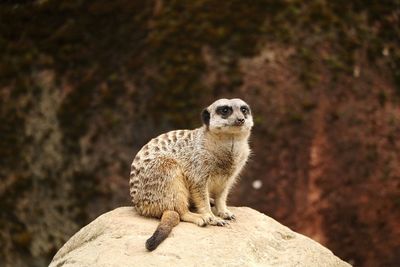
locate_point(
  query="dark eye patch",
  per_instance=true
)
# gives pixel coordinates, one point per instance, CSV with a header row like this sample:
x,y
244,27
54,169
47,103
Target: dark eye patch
x,y
245,110
224,111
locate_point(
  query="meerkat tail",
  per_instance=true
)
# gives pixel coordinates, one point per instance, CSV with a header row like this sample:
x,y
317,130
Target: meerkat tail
x,y
169,220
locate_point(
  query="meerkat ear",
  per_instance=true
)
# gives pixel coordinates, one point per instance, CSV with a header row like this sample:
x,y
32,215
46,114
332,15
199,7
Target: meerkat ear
x,y
205,117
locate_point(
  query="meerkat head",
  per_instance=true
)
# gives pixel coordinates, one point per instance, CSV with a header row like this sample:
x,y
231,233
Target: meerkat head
x,y
232,116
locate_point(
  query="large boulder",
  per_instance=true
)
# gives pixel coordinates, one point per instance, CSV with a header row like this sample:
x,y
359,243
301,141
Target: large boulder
x,y
117,238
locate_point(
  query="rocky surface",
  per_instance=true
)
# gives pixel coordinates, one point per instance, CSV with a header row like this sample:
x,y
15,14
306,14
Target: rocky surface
x,y
117,239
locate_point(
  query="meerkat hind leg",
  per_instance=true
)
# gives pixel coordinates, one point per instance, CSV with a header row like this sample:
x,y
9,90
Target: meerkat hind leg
x,y
193,218
181,205
186,215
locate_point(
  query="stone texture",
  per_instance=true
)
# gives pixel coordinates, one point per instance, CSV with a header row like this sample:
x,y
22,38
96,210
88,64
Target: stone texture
x,y
117,238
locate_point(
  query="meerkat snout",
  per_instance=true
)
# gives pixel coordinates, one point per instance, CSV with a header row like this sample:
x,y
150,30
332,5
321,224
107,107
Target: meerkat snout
x,y
239,121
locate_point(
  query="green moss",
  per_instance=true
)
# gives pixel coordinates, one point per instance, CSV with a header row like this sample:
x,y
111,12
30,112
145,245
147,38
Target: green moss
x,y
309,106
295,117
335,64
382,98
396,202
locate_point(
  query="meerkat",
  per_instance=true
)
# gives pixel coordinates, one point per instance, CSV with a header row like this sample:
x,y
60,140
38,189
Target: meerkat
x,y
187,168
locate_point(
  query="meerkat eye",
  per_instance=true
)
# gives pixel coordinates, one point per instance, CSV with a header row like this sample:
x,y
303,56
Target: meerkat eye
x,y
224,111
245,110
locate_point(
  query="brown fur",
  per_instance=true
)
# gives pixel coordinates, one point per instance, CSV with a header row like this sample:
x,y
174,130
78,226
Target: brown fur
x,y
182,169
169,220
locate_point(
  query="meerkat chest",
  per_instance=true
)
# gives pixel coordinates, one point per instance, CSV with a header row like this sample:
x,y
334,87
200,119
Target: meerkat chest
x,y
225,171
229,160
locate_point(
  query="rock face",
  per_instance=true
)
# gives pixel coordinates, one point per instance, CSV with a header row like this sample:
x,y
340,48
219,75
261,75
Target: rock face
x,y
117,238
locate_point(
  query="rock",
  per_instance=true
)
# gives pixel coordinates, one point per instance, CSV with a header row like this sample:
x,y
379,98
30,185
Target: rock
x,y
117,238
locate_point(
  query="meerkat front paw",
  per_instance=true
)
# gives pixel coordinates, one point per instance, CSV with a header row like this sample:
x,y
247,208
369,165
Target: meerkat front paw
x,y
218,222
226,214
202,222
211,219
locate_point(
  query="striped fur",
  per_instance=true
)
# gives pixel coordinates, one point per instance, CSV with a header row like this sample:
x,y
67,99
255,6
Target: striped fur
x,y
184,167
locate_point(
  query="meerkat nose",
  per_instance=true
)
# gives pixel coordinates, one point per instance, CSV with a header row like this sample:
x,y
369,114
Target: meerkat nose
x,y
239,121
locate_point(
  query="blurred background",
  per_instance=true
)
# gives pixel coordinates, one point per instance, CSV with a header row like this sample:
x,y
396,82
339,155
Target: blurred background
x,y
84,84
